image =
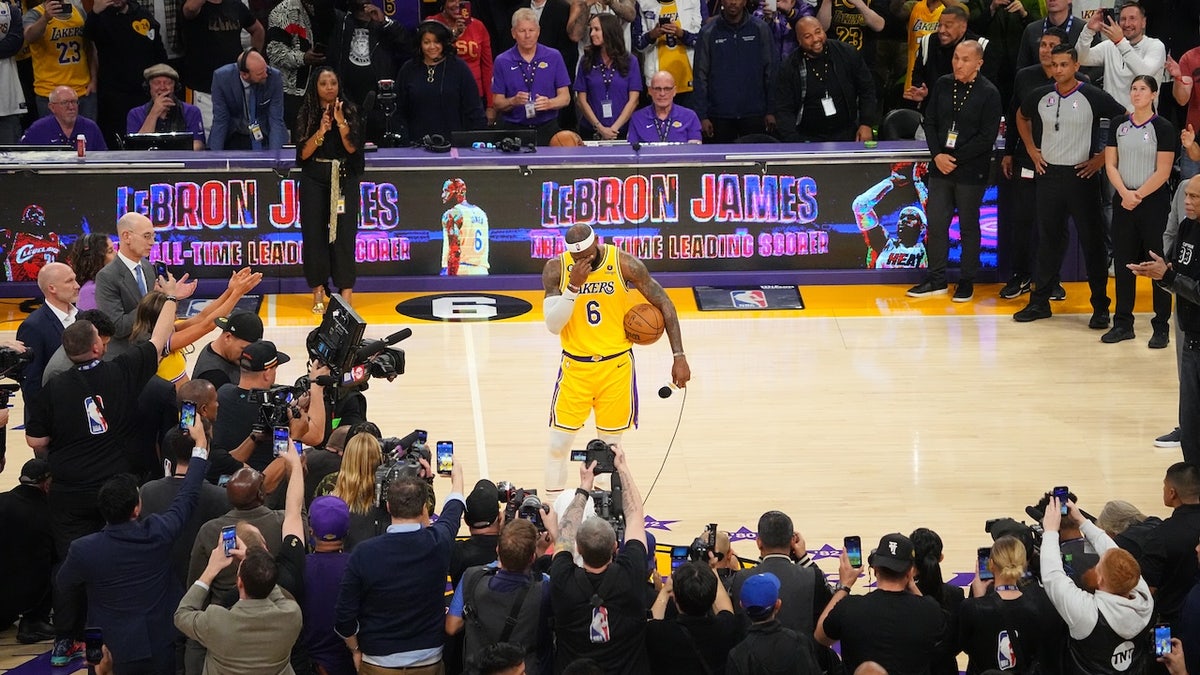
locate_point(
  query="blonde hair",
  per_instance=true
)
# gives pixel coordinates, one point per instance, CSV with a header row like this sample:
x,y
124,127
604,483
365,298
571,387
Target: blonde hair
x,y
356,479
1009,558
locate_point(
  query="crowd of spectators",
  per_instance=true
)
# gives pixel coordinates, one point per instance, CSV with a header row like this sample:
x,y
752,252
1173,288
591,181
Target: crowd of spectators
x,y
233,73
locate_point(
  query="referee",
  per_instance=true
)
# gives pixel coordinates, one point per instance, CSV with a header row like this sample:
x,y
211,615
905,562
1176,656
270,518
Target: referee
x,y
1060,125
961,122
1138,159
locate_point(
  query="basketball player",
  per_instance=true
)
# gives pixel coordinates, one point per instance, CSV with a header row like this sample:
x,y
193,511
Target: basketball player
x,y
907,248
587,290
463,222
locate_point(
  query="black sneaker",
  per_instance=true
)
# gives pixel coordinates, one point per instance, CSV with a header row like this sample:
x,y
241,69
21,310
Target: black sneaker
x,y
1116,334
1159,340
1015,288
1032,312
1099,321
1170,440
1058,294
926,289
964,291
31,631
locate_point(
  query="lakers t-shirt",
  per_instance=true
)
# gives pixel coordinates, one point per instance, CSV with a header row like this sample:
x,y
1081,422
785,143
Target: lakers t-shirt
x,y
921,22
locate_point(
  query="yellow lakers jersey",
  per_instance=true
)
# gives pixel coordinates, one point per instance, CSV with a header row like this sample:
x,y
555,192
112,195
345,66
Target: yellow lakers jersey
x,y
597,326
60,57
921,22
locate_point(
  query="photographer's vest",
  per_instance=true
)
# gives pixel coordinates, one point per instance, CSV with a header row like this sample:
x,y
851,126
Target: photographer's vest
x,y
493,616
1103,652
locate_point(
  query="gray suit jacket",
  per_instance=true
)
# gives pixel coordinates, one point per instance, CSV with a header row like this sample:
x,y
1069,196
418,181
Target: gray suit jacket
x,y
117,295
253,636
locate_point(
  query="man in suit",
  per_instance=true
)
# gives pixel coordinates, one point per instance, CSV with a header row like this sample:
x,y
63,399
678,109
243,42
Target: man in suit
x,y
25,583
122,283
256,634
247,105
125,568
42,330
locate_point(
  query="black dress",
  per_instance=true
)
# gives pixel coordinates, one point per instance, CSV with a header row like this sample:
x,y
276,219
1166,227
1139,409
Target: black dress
x,y
324,258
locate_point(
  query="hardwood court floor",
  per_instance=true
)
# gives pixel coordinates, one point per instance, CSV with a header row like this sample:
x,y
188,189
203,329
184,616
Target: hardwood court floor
x,y
865,413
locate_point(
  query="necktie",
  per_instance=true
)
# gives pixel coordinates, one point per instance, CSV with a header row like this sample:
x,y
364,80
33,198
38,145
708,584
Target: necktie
x,y
141,279
252,107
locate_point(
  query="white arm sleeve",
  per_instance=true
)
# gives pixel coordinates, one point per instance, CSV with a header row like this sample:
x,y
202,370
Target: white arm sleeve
x,y
557,310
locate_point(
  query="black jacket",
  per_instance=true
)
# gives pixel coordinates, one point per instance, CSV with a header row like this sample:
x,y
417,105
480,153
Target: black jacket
x,y
849,72
769,648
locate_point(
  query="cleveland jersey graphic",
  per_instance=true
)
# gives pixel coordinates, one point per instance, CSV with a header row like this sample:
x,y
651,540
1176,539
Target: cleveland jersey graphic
x,y
27,250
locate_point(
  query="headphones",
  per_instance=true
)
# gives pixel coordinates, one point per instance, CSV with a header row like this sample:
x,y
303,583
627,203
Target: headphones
x,y
435,143
241,59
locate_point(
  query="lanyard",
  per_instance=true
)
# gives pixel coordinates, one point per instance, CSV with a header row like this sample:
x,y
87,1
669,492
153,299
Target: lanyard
x,y
607,73
663,127
529,72
822,74
1046,25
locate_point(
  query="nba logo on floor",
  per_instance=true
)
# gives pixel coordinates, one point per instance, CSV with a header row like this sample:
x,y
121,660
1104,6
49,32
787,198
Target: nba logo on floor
x,y
748,299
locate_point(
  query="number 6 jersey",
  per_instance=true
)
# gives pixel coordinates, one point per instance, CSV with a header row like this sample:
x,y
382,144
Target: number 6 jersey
x,y
597,325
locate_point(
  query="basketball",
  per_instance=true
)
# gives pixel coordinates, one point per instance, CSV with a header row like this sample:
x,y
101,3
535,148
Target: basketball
x,y
644,324
566,139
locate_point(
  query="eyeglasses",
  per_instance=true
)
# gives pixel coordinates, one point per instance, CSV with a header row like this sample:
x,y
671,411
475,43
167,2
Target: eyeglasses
x,y
73,103
662,90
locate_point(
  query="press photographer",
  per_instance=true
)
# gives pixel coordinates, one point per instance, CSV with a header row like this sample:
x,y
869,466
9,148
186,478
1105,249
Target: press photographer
x,y
255,406
599,608
13,357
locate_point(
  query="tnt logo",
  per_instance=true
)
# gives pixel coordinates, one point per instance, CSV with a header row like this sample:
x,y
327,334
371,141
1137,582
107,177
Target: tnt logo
x,y
1122,656
748,299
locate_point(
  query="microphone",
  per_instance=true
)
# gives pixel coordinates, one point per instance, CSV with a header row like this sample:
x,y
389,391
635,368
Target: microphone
x,y
666,390
375,346
636,148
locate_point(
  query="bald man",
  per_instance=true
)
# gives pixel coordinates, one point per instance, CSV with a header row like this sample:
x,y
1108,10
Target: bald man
x,y
122,283
247,101
1180,274
588,289
42,330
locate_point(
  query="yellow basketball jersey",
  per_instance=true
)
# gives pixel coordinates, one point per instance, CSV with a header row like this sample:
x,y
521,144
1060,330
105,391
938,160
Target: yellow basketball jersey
x,y
597,326
921,22
60,58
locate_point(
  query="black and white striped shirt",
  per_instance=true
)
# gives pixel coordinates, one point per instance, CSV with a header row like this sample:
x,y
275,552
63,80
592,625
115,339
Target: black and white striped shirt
x,y
1138,146
1066,126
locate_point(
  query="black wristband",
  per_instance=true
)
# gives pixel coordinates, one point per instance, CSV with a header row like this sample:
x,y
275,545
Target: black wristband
x,y
584,493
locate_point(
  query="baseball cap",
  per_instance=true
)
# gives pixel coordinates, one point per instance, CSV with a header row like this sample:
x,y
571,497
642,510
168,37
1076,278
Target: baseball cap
x,y
895,553
160,70
35,471
261,355
482,506
244,325
329,518
758,595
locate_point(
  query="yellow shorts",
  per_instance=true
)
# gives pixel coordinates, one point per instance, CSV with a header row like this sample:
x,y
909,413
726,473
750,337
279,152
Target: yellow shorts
x,y
608,386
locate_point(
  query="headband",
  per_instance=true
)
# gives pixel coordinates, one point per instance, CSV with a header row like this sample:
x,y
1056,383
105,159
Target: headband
x,y
581,246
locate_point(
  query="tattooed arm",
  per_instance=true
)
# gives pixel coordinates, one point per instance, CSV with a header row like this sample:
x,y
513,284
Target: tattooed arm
x,y
636,275
568,525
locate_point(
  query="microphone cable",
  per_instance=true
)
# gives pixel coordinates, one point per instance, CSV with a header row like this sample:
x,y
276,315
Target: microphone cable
x,y
667,454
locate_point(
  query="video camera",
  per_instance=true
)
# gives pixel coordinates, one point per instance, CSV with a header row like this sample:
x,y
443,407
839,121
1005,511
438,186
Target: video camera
x,y
401,457
275,406
522,503
338,343
12,362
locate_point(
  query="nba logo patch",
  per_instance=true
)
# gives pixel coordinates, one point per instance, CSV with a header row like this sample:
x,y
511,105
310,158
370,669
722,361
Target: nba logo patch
x,y
748,299
598,630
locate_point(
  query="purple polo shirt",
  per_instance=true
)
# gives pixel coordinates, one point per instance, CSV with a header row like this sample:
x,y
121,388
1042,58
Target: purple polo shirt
x,y
191,119
681,126
603,83
47,132
541,77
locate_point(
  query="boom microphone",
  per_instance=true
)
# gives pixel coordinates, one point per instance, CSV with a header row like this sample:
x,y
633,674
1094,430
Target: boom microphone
x,y
666,390
375,346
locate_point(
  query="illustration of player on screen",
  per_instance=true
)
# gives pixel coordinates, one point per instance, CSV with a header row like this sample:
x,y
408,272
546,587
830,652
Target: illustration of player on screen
x,y
27,249
463,223
907,248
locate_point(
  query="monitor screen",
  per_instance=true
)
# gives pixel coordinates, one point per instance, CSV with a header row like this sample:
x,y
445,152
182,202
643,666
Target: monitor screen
x,y
173,141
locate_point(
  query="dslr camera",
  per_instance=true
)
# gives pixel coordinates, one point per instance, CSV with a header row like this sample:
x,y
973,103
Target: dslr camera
x,y
522,503
12,362
702,545
599,452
